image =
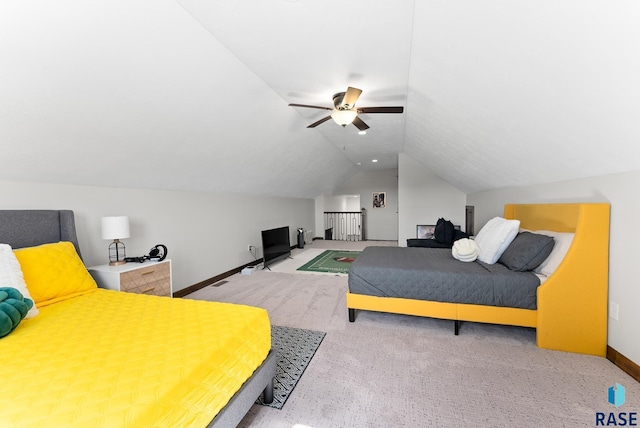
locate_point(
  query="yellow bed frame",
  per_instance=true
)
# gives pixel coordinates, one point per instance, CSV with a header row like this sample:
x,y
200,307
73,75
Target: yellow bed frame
x,y
571,312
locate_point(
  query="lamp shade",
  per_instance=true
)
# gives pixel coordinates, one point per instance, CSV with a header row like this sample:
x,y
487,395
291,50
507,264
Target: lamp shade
x,y
115,227
344,117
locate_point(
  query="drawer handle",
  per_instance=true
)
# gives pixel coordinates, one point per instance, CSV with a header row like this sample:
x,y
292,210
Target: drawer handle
x,y
148,272
148,289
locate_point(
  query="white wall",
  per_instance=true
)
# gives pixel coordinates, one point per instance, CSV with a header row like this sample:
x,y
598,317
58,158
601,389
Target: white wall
x,y
620,190
342,203
423,198
206,234
381,223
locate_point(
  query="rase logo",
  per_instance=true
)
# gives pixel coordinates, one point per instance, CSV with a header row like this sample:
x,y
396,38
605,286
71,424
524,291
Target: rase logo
x,y
615,397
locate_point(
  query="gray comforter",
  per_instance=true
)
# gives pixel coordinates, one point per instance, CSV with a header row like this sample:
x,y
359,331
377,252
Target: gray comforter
x,y
433,274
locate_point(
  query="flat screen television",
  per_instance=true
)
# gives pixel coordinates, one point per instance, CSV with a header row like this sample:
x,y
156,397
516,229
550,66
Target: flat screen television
x,y
275,245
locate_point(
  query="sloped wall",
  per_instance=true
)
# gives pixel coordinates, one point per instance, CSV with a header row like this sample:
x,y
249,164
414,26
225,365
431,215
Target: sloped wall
x,y
206,233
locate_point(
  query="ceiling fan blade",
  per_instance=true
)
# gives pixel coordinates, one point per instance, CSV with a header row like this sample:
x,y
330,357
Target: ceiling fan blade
x,y
351,97
309,106
381,110
360,124
321,121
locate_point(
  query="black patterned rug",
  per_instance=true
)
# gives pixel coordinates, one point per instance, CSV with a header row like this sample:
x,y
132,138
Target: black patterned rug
x,y
295,347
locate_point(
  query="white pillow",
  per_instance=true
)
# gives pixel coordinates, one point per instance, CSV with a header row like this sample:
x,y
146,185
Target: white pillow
x,y
495,237
563,242
11,276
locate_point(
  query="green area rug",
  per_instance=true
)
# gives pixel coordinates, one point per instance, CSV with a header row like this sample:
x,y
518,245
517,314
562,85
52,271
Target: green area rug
x,y
295,347
332,261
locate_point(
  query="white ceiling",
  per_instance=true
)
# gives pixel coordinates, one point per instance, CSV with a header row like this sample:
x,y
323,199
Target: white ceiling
x,y
193,94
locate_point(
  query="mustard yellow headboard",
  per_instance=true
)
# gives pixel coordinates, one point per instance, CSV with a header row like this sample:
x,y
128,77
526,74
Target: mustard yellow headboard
x,y
573,301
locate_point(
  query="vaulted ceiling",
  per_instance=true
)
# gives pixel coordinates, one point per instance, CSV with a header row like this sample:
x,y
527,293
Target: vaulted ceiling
x,y
193,94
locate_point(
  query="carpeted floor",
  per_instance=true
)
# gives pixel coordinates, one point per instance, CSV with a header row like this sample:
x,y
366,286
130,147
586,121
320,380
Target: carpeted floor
x,y
295,348
387,370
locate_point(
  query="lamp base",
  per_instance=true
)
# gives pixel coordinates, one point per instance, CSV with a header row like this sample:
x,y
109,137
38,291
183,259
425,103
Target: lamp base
x,y
117,253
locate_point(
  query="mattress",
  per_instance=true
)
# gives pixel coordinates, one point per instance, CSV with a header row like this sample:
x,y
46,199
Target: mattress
x,y
113,359
434,275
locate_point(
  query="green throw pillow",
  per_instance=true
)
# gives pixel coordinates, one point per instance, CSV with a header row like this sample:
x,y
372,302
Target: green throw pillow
x,y
13,308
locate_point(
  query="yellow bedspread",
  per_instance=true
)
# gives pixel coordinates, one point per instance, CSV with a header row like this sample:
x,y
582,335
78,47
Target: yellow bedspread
x,y
112,359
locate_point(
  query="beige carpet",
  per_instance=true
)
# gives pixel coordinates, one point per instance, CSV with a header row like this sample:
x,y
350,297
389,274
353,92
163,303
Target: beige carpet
x,y
389,370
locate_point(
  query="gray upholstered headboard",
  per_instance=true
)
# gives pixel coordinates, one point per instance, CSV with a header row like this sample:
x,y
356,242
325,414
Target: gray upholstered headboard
x,y
28,228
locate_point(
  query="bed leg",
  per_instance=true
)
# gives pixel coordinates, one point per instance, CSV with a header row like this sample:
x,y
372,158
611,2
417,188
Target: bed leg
x,y
457,327
352,315
267,394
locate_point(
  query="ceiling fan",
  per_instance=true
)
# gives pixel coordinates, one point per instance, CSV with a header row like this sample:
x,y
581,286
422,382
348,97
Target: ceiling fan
x,y
344,109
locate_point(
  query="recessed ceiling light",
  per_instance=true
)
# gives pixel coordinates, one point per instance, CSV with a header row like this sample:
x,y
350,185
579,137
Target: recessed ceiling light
x,y
374,160
359,163
362,132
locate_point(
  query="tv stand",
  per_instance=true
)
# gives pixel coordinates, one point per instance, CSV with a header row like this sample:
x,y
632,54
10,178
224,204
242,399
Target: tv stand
x,y
267,267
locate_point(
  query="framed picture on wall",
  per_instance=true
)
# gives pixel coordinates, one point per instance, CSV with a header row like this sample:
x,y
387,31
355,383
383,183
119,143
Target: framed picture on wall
x,y
379,199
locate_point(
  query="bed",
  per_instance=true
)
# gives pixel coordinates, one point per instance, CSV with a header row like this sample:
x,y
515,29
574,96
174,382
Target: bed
x,y
568,309
102,358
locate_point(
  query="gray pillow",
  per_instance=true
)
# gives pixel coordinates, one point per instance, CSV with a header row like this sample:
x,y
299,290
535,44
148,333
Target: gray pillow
x,y
527,251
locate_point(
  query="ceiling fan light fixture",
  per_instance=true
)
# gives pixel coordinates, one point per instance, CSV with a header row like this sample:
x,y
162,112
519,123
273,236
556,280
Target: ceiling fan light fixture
x,y
344,111
344,117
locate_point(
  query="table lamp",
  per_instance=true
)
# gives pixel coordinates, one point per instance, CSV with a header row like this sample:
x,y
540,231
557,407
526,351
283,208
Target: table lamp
x,y
116,228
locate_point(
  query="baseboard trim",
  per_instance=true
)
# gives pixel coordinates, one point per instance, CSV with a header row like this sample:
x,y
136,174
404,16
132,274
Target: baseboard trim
x,y
213,279
622,362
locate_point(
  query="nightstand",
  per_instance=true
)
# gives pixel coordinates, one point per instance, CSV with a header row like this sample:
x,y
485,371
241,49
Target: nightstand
x,y
149,277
